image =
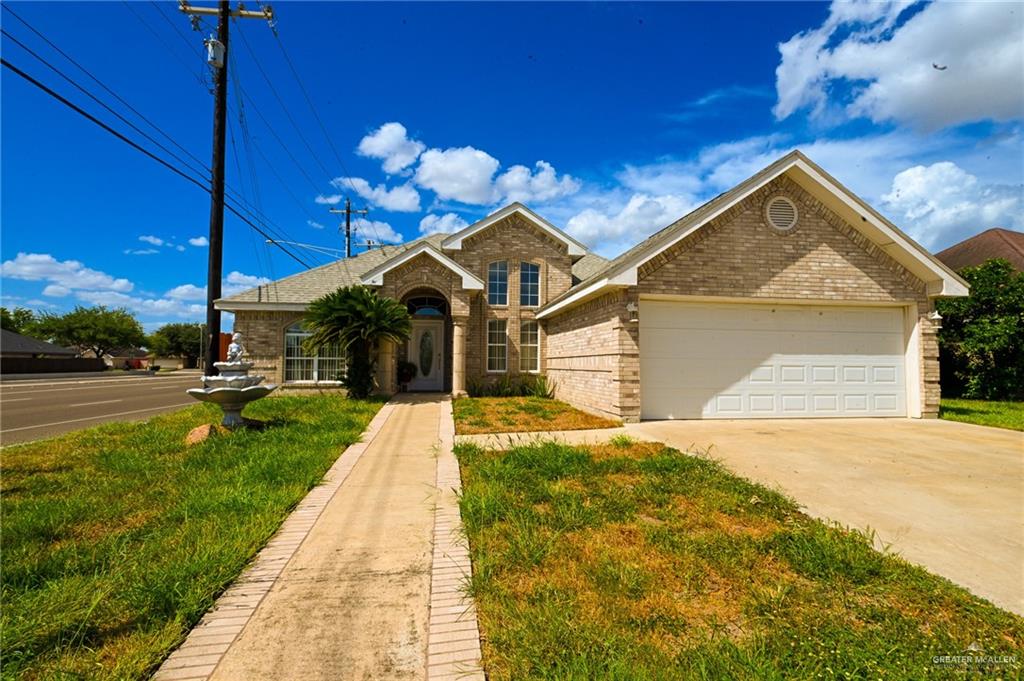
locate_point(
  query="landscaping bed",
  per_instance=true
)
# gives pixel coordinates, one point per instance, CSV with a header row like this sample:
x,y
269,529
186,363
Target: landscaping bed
x,y
635,561
521,415
117,539
984,413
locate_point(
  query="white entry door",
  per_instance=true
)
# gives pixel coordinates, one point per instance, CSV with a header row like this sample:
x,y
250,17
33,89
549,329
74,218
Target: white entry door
x,y
734,361
426,351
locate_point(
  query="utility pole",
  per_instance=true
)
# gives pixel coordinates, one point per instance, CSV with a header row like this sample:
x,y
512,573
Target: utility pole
x,y
217,56
348,211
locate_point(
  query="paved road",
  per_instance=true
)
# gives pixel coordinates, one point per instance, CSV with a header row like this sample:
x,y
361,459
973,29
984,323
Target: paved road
x,y
30,410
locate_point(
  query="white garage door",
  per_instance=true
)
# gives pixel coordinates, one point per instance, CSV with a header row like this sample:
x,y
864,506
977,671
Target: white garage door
x,y
769,361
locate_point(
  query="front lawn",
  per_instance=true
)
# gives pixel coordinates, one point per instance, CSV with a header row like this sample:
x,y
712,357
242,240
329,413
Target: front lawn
x,y
635,561
117,539
521,415
983,413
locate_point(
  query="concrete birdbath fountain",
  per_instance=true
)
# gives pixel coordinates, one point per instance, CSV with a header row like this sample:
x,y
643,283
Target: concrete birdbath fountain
x,y
233,388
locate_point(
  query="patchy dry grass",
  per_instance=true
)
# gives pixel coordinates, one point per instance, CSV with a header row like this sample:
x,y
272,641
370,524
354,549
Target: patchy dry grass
x,y
984,413
636,561
521,415
116,539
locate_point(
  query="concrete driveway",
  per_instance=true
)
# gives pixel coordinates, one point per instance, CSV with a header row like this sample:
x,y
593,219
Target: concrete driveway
x,y
948,496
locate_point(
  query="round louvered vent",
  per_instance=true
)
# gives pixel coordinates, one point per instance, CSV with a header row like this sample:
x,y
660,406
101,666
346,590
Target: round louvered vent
x,y
781,213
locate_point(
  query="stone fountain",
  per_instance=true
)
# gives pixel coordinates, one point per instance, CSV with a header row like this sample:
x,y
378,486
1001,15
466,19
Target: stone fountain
x,y
233,388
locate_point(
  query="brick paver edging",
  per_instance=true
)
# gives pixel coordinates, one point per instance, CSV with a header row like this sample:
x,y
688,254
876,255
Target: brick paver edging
x,y
209,640
453,636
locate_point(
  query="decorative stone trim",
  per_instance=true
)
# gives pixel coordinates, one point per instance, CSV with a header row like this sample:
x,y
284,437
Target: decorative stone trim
x,y
198,656
453,635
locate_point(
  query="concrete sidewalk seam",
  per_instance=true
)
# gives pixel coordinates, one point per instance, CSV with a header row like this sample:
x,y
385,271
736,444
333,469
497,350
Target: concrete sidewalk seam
x,y
226,619
446,659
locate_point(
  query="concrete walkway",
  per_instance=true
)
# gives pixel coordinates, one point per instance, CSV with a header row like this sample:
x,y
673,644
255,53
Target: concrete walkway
x,y
349,596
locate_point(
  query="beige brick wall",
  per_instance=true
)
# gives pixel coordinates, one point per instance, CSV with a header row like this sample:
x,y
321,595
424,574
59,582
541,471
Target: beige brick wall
x,y
514,240
593,348
263,337
593,357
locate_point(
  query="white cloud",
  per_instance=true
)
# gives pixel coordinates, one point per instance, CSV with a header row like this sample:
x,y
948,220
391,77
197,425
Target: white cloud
x,y
70,274
141,305
187,292
612,230
331,200
179,247
199,241
141,251
314,224
380,232
884,71
149,239
942,203
56,291
403,198
447,223
391,144
459,173
519,184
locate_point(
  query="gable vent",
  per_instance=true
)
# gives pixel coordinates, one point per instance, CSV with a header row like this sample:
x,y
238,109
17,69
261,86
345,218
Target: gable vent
x,y
781,213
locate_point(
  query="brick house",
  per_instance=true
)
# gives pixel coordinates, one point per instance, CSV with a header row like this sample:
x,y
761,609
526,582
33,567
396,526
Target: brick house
x,y
786,296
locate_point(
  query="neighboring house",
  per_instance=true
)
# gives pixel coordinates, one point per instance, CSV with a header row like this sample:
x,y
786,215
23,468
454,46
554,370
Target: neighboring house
x,y
116,358
786,296
15,345
992,243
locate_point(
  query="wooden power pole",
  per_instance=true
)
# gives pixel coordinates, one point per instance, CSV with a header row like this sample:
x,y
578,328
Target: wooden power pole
x,y
348,211
217,56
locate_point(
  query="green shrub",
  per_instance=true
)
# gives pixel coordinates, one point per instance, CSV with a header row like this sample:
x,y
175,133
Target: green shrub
x,y
527,385
981,343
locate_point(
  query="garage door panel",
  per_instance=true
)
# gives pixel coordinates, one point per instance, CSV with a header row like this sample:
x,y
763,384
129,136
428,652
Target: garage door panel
x,y
764,361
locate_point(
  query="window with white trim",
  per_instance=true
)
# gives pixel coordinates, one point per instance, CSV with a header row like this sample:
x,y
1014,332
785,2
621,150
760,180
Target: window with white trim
x,y
529,347
529,284
326,365
497,283
497,345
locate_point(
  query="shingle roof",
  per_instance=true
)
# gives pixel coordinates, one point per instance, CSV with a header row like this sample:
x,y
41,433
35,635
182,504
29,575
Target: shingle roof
x,y
15,343
992,243
303,287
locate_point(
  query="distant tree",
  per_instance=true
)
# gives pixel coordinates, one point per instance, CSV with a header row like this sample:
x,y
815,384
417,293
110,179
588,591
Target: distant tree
x,y
358,319
18,320
981,343
177,340
91,328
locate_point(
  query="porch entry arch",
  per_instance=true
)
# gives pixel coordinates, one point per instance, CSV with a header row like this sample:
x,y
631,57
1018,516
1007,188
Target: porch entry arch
x,y
430,344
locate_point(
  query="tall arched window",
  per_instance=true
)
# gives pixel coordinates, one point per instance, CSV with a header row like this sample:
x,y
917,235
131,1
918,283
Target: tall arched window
x,y
326,365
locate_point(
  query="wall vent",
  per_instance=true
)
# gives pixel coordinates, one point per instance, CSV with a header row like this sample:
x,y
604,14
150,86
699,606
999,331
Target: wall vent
x,y
781,213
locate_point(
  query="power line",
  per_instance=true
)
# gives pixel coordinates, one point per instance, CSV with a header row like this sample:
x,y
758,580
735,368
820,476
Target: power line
x,y
82,112
197,74
204,169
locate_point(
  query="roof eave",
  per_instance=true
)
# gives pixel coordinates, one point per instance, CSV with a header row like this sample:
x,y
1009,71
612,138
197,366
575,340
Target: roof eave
x,y
454,242
375,277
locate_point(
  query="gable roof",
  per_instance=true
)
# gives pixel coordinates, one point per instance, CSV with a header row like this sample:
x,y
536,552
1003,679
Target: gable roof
x,y
15,343
992,243
622,271
298,290
375,277
454,242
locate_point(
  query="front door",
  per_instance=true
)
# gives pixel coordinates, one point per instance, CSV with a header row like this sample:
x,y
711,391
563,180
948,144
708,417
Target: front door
x,y
426,351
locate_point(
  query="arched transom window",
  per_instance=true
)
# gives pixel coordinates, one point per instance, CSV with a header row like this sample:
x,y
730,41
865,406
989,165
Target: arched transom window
x,y
327,365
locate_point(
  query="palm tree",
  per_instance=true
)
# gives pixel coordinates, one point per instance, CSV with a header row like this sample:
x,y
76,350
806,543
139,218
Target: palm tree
x,y
358,320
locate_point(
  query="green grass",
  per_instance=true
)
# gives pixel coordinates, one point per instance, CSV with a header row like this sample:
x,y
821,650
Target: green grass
x,y
636,561
117,539
983,413
521,415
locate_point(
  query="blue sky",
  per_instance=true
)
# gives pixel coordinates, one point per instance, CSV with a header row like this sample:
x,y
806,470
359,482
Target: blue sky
x,y
612,120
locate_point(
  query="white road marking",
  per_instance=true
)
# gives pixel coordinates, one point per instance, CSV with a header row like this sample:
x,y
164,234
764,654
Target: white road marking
x,y
89,404
93,418
11,384
86,386
19,399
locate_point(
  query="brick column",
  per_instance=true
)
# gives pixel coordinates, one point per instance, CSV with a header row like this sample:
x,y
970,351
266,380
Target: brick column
x,y
459,356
